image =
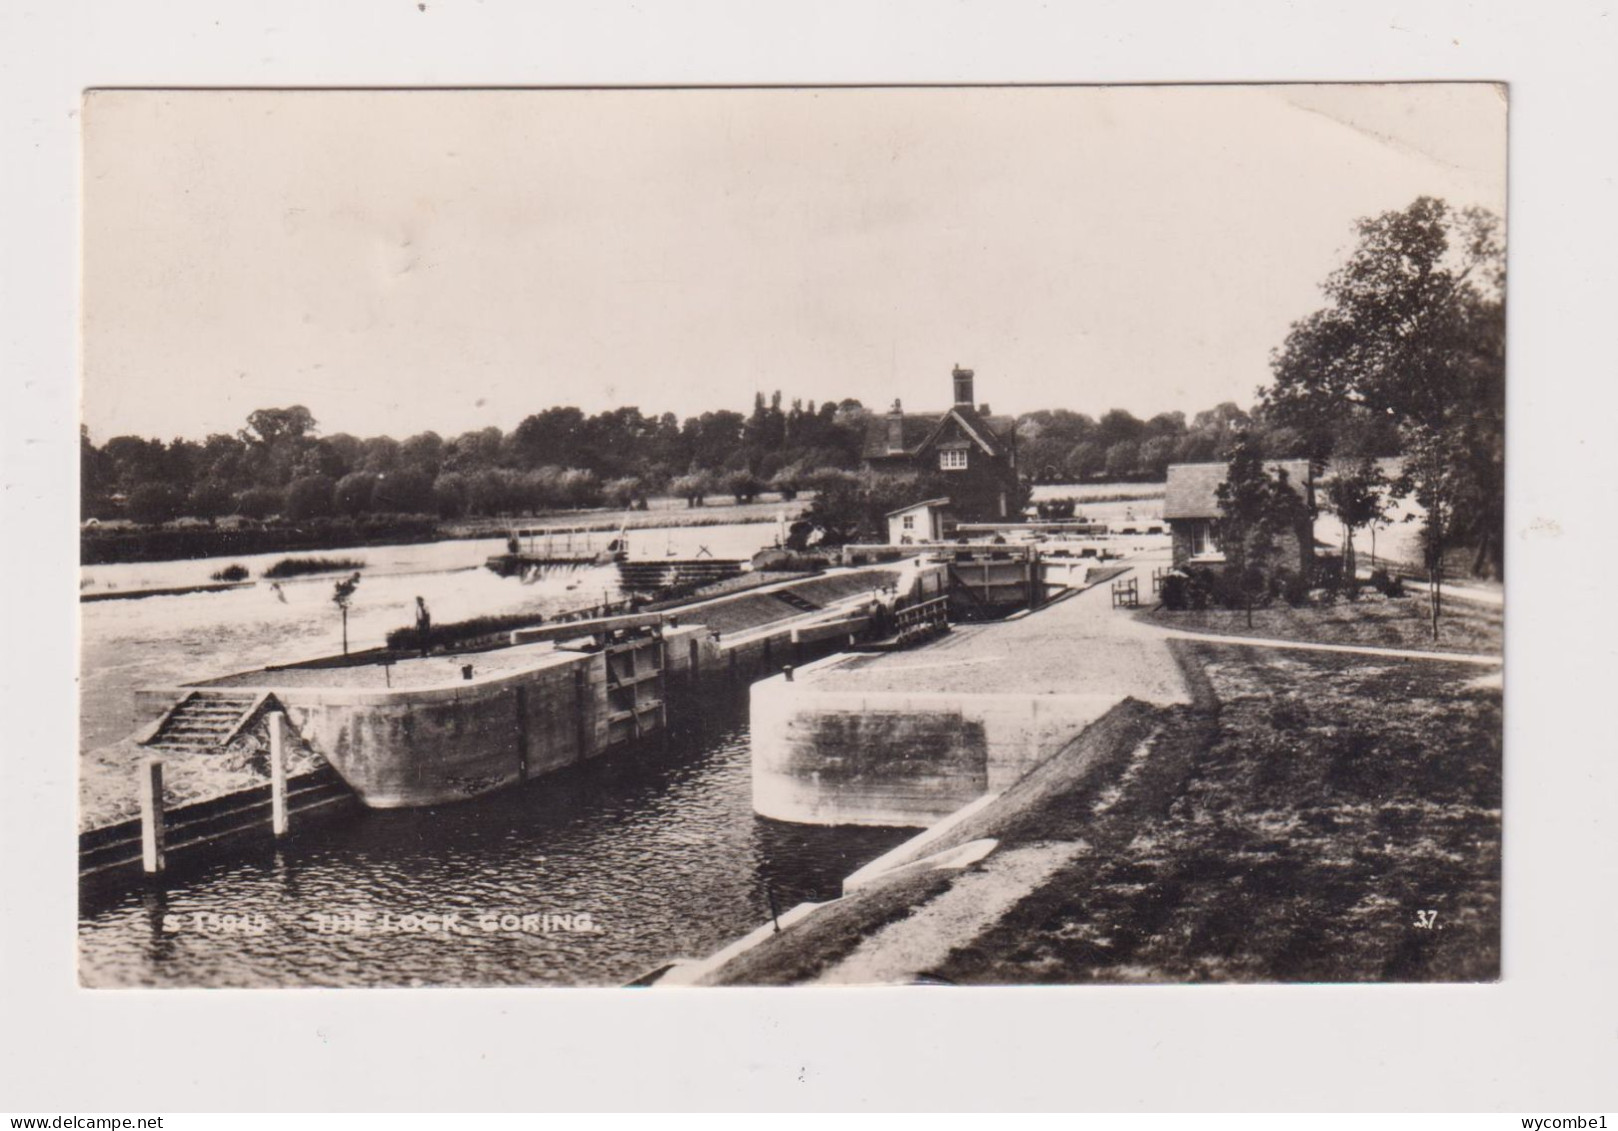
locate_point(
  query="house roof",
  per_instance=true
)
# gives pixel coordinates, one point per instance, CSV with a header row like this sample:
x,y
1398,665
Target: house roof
x,y
920,428
1193,488
918,506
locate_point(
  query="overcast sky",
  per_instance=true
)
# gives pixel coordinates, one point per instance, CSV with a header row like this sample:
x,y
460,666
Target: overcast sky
x,y
402,261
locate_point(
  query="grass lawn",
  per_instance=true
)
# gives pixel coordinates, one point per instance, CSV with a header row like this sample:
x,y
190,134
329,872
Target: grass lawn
x,y
1293,832
1464,626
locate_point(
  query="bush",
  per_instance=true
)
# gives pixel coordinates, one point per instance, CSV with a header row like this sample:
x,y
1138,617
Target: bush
x,y
1386,584
402,492
463,632
352,496
626,493
232,572
1291,587
743,486
450,495
154,503
297,567
260,502
693,488
310,497
209,499
1176,592
786,482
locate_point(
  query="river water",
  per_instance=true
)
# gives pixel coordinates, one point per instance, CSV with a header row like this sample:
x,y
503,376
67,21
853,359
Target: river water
x,y
660,848
657,847
161,641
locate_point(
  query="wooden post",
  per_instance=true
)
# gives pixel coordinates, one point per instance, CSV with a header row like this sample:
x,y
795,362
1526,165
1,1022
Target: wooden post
x,y
797,646
278,773
151,816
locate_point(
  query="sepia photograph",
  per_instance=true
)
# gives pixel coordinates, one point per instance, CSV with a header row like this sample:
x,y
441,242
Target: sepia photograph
x,y
796,535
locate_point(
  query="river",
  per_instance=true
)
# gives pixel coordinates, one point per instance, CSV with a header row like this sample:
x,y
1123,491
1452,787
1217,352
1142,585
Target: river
x,y
658,847
161,641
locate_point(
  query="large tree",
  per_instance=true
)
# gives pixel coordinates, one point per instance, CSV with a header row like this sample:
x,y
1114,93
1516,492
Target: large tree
x,y
1414,331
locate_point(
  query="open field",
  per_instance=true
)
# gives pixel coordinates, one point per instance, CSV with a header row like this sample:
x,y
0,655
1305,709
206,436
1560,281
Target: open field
x,y
662,512
1375,620
1098,492
1288,826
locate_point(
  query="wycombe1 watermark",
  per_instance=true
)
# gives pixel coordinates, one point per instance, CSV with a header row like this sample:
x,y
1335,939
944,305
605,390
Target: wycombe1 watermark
x,y
373,921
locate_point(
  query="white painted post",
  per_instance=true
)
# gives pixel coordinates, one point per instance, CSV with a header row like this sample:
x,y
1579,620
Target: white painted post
x,y
278,774
151,816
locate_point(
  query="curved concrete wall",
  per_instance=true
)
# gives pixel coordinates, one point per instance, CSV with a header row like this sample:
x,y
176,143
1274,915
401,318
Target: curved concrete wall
x,y
834,756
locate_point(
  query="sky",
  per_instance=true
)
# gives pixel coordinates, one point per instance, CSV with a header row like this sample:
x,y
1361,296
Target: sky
x,y
399,261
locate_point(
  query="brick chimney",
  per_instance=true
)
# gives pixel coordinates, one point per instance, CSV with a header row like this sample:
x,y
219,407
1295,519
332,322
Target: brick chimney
x,y
896,428
963,386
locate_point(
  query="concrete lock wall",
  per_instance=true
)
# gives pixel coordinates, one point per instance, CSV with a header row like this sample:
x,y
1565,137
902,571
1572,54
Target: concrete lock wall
x,y
836,756
430,746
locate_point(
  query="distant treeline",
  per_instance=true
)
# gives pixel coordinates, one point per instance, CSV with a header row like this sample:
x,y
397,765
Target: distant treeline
x,y
188,543
278,467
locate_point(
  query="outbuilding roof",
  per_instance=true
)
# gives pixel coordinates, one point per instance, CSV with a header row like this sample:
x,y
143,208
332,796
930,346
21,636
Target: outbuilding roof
x,y
918,506
1193,488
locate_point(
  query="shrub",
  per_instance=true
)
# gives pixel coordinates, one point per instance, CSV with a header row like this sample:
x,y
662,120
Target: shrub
x,y
1176,592
310,497
626,492
232,572
743,486
1386,584
786,482
693,488
402,492
352,496
450,495
155,503
209,499
463,632
297,567
1291,587
260,502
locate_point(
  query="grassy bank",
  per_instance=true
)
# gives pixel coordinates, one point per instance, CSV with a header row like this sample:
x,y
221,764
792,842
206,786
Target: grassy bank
x,y
1399,622
1288,827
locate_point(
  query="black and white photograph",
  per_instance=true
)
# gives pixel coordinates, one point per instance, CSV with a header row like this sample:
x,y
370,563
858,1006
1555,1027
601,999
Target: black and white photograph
x,y
792,536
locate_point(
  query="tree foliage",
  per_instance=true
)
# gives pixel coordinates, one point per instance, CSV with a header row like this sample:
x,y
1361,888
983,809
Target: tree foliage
x,y
1258,508
1412,341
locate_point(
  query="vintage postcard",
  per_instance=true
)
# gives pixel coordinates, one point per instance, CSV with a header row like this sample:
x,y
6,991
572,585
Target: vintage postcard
x,y
785,536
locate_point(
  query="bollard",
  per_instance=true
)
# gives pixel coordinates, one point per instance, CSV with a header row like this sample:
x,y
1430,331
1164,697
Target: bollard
x,y
151,816
278,773
787,671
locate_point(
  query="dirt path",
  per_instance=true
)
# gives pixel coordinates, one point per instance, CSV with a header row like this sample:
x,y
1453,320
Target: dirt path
x,y
975,902
1312,646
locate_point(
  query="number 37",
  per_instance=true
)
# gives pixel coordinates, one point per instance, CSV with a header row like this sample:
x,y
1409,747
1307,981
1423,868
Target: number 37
x,y
1426,919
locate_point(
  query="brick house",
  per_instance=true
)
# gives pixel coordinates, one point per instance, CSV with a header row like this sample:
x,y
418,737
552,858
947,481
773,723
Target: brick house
x,y
1191,508
966,449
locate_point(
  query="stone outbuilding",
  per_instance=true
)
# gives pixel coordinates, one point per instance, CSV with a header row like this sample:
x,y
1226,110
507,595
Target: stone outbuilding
x,y
1191,508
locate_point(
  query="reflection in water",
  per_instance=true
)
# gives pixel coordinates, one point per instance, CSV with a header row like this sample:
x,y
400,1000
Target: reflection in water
x,y
657,847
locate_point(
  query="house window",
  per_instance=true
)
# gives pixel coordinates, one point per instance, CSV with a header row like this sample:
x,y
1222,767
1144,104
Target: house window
x,y
909,522
953,459
1204,540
